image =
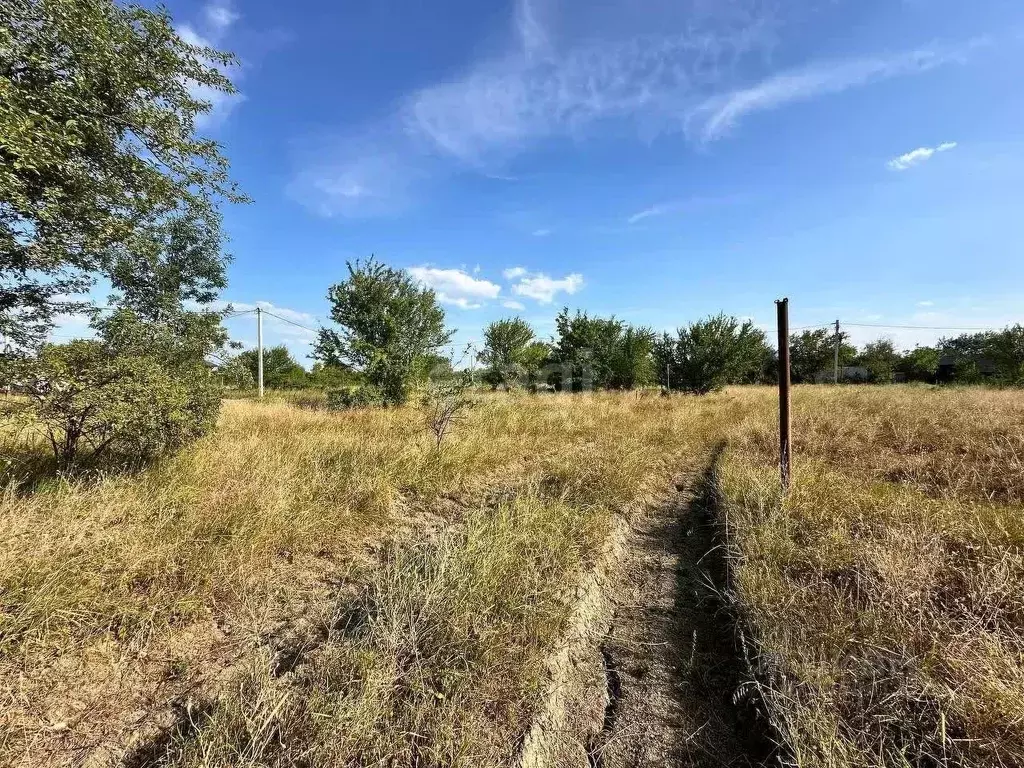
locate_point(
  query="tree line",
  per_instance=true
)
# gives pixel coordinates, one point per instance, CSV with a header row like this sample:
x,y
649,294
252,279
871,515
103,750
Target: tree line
x,y
105,181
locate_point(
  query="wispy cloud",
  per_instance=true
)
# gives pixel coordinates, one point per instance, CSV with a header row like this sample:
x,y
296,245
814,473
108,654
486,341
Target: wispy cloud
x,y
540,287
543,232
918,156
218,18
697,80
721,114
512,304
456,287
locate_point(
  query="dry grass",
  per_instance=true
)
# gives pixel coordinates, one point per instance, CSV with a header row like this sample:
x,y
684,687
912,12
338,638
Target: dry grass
x,y
123,562
886,594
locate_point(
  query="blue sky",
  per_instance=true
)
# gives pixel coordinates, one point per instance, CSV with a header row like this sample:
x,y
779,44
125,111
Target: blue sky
x,y
656,160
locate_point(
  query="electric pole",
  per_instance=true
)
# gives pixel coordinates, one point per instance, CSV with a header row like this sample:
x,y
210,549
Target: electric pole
x,y
785,422
836,371
259,349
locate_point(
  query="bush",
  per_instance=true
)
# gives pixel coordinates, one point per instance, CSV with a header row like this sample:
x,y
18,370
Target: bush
x,y
347,398
84,395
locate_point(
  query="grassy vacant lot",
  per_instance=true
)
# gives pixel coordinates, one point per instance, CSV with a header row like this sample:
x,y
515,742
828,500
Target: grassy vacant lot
x,y
314,588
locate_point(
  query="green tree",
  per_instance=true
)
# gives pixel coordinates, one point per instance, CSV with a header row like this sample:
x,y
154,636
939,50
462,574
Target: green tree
x,y
99,155
813,352
585,351
633,359
280,370
507,345
388,323
881,359
718,351
1005,349
919,364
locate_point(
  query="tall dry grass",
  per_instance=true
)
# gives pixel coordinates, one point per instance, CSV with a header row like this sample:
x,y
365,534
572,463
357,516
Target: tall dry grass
x,y
886,593
520,493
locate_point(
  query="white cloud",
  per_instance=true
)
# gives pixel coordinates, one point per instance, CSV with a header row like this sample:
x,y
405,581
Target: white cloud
x,y
654,210
695,77
540,287
918,156
511,304
543,232
456,287
218,18
513,272
926,303
720,114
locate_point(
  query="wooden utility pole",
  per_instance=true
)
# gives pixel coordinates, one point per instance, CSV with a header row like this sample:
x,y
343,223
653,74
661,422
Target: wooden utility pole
x,y
835,374
259,348
785,424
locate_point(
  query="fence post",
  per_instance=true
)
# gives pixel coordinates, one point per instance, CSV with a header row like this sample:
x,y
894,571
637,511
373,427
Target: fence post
x,y
785,424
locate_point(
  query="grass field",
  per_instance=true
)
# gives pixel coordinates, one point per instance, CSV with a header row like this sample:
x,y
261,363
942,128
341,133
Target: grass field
x,y
315,588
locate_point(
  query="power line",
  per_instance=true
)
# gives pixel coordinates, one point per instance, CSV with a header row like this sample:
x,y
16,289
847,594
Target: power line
x,y
921,327
292,322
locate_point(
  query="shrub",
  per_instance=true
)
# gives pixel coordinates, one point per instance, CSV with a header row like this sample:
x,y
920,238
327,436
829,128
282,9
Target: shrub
x,y
347,398
83,395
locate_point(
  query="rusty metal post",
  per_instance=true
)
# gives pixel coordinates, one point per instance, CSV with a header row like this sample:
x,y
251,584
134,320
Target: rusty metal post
x,y
785,423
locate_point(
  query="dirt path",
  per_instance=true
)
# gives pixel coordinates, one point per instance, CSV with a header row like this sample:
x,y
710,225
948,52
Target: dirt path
x,y
669,658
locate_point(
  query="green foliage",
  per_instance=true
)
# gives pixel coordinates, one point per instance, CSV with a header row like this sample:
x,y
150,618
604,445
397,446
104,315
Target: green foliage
x,y
919,364
234,373
633,359
136,392
511,354
100,165
348,398
332,376
717,351
1006,351
881,359
388,324
601,353
813,352
280,371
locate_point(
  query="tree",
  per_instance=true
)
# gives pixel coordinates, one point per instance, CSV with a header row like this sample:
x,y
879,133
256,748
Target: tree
x,y
813,352
280,371
388,324
585,350
718,351
919,364
1005,349
99,160
633,360
507,347
881,359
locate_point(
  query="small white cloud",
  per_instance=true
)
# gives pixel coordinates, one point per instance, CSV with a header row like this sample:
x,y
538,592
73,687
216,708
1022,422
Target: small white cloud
x,y
918,156
219,17
541,232
540,287
511,304
513,272
456,287
926,303
654,210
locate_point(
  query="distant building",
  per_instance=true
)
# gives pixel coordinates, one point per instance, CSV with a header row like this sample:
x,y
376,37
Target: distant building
x,y
947,370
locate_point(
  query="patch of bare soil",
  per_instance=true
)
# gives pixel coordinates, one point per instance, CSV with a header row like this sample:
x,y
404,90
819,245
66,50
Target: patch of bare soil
x,y
672,669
